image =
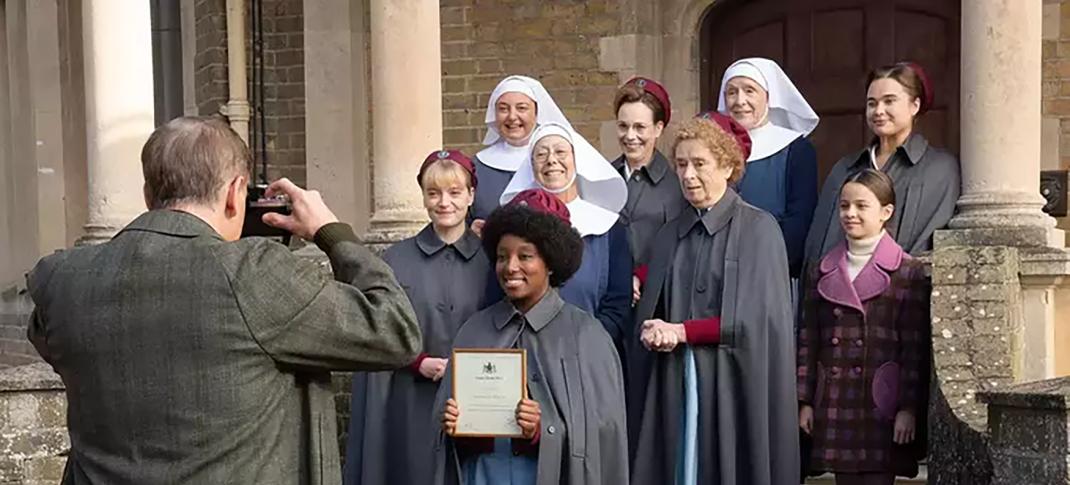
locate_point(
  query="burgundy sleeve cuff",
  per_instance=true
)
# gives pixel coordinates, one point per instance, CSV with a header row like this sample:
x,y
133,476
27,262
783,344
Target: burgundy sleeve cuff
x,y
415,365
705,331
641,273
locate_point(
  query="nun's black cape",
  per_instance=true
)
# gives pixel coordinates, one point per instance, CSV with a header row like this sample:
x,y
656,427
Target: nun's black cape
x,y
390,427
574,374
748,413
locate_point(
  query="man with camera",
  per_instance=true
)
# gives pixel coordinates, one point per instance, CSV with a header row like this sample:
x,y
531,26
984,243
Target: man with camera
x,y
192,356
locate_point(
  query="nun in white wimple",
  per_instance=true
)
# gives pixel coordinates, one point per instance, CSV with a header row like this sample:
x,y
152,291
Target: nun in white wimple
x,y
516,107
781,172
563,163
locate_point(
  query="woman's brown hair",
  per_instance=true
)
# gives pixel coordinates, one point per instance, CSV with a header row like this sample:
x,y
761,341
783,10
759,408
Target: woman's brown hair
x,y
630,93
911,76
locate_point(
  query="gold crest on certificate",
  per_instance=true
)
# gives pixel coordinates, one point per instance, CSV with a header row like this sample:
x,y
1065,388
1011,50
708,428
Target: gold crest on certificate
x,y
488,384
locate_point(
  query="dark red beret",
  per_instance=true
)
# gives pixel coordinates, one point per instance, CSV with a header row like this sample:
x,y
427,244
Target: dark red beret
x,y
732,127
657,91
543,201
928,95
456,156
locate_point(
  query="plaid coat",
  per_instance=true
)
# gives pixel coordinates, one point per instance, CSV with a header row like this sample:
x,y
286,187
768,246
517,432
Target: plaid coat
x,y
863,355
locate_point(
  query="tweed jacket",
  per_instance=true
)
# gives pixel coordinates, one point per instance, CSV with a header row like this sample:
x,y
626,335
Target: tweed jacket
x,y
863,356
188,359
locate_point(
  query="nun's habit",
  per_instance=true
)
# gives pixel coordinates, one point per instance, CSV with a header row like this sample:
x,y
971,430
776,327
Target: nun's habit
x,y
781,172
575,376
653,190
390,429
603,284
496,164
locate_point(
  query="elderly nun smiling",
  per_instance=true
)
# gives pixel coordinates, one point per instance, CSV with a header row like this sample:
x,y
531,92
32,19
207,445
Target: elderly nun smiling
x,y
781,175
563,163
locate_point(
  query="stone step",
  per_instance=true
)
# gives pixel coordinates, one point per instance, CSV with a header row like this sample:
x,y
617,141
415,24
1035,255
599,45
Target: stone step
x,y
829,479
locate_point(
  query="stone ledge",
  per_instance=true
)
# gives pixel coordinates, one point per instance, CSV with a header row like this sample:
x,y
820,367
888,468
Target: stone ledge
x,y
32,377
1014,236
1046,394
1045,262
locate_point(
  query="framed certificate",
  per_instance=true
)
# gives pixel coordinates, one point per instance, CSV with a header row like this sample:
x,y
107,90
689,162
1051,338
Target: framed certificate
x,y
488,384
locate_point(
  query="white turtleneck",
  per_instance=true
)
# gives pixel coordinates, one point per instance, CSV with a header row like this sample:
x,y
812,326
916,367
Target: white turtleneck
x,y
859,252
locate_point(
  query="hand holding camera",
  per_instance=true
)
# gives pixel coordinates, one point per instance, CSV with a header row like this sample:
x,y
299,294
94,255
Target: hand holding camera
x,y
308,214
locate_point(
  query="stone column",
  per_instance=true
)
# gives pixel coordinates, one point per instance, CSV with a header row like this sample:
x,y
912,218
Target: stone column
x,y
119,111
237,107
406,111
1001,127
996,269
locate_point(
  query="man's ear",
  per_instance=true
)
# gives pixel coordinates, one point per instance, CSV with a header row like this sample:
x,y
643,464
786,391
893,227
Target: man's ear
x,y
235,195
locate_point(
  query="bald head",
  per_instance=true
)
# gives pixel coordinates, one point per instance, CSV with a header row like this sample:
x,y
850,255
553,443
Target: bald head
x,y
188,161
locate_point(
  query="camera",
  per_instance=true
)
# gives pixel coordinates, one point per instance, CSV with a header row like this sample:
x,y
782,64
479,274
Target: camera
x,y
256,205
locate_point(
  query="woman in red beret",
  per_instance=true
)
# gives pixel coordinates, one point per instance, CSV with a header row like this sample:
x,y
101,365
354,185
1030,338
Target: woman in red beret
x,y
444,273
927,179
643,110
712,399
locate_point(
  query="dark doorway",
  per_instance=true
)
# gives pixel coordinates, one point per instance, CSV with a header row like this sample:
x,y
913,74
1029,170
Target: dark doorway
x,y
827,47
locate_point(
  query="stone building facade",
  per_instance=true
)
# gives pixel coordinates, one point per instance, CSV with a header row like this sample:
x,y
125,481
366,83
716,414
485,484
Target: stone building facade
x,y
357,92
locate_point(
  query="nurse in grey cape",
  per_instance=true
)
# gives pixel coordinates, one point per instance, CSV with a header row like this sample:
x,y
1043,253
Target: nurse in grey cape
x,y
443,272
517,106
927,179
573,422
718,383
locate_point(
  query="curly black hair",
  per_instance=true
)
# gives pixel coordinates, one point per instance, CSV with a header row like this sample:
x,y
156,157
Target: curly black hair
x,y
559,245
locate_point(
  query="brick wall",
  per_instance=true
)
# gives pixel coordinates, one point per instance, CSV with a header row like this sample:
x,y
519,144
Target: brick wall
x,y
1055,136
555,41
284,90
210,59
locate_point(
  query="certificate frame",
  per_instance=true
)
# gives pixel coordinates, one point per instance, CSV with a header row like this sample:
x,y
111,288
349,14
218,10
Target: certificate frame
x,y
460,362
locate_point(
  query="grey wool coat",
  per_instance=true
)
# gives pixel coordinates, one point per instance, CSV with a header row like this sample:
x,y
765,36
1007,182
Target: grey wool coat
x,y
574,374
188,359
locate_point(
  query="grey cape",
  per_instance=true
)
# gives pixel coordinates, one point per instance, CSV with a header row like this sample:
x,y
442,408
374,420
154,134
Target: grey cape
x,y
654,198
575,376
748,413
927,185
390,429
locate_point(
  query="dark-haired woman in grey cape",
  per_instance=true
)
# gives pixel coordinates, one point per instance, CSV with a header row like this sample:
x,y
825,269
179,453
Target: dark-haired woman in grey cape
x,y
716,385
443,272
927,179
573,423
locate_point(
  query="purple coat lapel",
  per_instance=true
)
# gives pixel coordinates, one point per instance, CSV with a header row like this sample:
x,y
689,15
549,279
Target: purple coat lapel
x,y
835,284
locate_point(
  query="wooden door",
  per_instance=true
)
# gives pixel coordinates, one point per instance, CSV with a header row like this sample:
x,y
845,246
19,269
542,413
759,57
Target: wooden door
x,y
828,47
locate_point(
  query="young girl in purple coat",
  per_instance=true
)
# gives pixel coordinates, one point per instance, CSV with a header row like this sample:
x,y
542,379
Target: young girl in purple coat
x,y
863,347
